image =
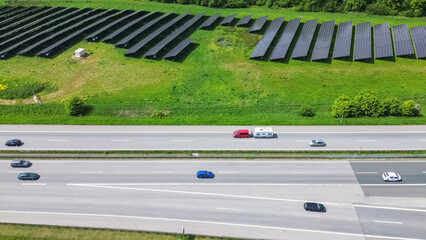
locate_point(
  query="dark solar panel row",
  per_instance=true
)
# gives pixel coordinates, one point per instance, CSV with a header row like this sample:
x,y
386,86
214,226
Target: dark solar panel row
x,y
209,22
285,40
44,28
20,16
228,20
7,10
64,31
13,12
174,53
125,42
419,39
97,34
363,41
343,43
35,24
136,48
322,46
383,41
112,36
258,24
244,21
4,9
33,17
268,37
402,39
153,52
305,39
47,52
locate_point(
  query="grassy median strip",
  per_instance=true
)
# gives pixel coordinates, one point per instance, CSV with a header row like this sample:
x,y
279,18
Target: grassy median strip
x,y
36,232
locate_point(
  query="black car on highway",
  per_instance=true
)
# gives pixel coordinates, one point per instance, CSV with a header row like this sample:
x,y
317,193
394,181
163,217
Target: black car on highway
x,y
28,176
21,163
14,142
315,207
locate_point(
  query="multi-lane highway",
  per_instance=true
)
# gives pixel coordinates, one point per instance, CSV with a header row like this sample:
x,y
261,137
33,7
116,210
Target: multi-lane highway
x,y
40,137
246,199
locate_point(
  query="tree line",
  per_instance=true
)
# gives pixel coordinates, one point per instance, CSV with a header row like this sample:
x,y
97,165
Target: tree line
x,y
408,8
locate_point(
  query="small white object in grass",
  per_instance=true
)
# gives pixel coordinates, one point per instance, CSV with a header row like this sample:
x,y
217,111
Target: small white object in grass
x,y
80,53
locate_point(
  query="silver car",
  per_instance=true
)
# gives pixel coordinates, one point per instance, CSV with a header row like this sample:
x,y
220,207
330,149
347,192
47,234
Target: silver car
x,y
317,143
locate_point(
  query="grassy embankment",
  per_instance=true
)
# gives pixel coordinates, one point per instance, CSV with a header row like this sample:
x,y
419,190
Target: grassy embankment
x,y
216,84
33,232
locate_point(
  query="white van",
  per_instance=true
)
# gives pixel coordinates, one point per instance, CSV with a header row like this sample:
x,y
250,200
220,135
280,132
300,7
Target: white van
x,y
263,132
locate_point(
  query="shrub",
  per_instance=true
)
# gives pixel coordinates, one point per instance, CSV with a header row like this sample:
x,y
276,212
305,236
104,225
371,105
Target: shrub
x,y
343,106
390,106
75,107
159,114
355,5
418,7
380,8
409,109
367,103
306,111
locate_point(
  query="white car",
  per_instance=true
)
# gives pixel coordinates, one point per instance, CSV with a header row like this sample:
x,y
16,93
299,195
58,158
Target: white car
x,y
391,177
317,143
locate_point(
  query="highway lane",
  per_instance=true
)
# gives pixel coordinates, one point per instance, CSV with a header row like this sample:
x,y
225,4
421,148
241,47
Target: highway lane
x,y
253,199
39,137
413,175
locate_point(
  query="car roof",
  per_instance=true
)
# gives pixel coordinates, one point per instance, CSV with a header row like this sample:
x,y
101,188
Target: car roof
x,y
392,174
243,131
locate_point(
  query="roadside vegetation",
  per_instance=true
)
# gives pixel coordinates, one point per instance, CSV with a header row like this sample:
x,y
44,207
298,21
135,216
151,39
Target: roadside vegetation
x,y
216,84
36,232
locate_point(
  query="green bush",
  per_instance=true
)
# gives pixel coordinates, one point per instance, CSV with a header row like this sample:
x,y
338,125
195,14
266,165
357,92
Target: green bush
x,y
355,5
380,8
75,106
343,106
409,109
367,104
159,114
306,111
390,106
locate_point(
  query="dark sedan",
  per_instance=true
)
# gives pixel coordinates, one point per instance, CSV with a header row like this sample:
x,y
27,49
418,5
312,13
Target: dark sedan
x,y
14,142
28,176
315,207
21,163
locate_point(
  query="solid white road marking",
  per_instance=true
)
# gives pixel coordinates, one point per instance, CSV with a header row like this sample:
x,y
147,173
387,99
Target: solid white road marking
x,y
91,172
422,140
196,193
366,172
228,209
160,172
210,184
367,140
379,221
207,222
34,184
58,140
15,171
230,172
303,140
182,140
121,140
390,208
424,172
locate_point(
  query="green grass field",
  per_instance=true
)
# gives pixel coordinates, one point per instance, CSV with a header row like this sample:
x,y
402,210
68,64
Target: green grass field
x,y
216,84
34,232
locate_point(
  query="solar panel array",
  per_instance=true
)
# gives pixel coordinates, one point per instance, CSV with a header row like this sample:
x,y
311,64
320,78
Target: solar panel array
x,y
209,22
383,41
305,39
363,41
45,31
244,21
419,39
258,24
342,46
402,39
228,20
325,35
265,42
280,50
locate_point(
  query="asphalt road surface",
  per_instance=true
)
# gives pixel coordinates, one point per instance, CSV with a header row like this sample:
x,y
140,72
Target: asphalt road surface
x,y
42,137
246,199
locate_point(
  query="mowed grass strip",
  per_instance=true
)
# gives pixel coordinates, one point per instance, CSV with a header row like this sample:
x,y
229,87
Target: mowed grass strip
x,y
35,232
216,84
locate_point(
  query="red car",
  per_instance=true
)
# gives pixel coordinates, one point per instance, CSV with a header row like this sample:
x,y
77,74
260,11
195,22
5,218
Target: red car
x,y
241,133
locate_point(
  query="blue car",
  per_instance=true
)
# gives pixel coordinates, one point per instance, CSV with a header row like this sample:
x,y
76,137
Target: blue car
x,y
205,174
